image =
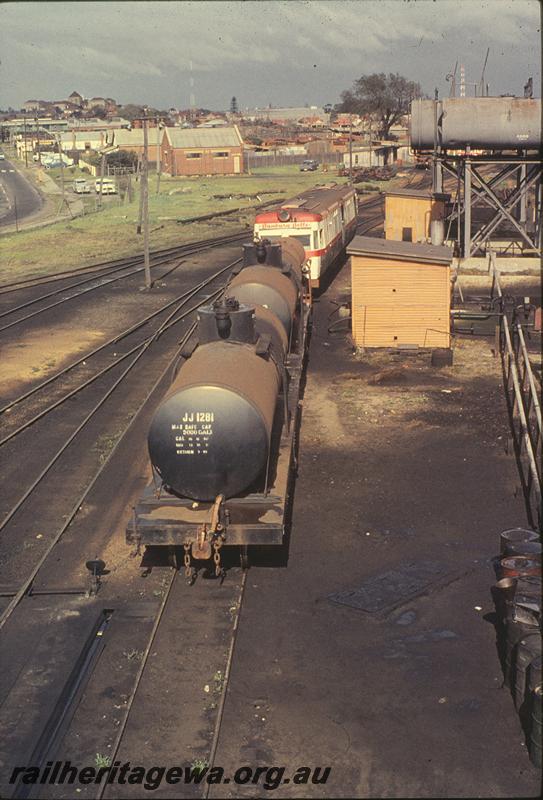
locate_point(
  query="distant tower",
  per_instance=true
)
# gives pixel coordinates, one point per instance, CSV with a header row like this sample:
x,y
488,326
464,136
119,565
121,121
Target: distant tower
x,y
192,95
462,81
234,105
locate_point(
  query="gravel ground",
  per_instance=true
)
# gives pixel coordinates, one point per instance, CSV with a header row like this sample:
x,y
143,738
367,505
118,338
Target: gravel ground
x,y
400,464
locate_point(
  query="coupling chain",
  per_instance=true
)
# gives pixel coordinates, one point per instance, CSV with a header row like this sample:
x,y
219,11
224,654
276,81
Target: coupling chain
x,y
217,544
188,568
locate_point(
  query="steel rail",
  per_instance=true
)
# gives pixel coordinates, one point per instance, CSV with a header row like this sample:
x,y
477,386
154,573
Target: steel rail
x,y
164,259
79,294
27,583
142,350
222,701
188,295
71,286
66,299
127,261
117,338
129,703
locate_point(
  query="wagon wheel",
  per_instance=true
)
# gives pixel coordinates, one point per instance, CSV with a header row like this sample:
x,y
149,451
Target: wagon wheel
x,y
244,557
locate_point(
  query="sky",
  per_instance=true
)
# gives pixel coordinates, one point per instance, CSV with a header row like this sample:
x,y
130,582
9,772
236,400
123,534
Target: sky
x,y
264,52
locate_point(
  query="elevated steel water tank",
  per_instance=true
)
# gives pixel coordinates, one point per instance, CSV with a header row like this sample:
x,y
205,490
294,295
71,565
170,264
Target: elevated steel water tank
x,y
504,123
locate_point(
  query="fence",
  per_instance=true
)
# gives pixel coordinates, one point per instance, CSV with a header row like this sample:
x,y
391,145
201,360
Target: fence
x,y
252,160
522,395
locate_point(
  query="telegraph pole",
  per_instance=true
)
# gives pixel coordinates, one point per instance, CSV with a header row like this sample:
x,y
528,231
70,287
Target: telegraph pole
x,y
157,155
102,170
350,148
64,201
140,179
61,171
38,139
26,143
145,193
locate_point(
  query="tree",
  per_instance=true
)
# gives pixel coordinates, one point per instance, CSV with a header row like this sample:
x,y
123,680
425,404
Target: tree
x,y
132,111
387,97
234,106
122,158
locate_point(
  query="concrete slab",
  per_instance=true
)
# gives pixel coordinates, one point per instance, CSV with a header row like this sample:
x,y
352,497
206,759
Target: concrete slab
x,y
507,266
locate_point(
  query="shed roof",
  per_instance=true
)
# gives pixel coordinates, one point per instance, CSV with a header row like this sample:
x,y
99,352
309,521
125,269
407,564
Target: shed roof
x,y
134,137
204,137
420,193
82,136
401,251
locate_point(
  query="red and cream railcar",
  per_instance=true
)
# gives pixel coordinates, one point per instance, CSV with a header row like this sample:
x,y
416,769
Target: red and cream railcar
x,y
323,219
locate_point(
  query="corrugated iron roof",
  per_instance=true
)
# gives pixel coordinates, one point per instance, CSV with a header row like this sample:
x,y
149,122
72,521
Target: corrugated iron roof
x,y
134,137
418,193
82,136
204,137
403,251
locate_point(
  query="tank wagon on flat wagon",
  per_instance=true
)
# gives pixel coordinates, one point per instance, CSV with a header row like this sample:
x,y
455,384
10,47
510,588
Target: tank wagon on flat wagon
x,y
222,442
323,219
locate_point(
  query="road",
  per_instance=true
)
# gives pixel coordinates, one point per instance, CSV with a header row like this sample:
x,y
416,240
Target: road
x,y
16,193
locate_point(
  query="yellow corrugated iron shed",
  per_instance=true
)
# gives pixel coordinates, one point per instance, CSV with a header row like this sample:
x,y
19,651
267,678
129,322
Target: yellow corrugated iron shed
x,y
400,293
409,212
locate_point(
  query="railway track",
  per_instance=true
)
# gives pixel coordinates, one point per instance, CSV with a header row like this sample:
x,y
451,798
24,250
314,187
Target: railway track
x,y
128,261
82,426
107,275
69,720
70,727
179,608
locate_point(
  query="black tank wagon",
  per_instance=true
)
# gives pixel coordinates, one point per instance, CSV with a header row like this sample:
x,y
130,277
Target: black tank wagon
x,y
222,442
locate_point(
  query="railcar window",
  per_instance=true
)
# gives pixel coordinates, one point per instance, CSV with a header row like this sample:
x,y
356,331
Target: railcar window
x,y
303,238
194,155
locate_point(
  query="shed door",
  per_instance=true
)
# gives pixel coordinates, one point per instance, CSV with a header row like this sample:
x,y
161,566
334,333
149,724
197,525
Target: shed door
x,y
236,164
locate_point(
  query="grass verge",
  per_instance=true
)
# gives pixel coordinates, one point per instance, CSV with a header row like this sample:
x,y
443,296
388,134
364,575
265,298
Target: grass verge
x,y
111,232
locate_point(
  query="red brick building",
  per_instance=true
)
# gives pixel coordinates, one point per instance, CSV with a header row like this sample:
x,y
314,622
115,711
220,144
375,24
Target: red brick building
x,y
202,151
132,141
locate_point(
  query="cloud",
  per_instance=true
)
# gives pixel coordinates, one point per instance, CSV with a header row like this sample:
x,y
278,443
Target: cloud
x,y
107,47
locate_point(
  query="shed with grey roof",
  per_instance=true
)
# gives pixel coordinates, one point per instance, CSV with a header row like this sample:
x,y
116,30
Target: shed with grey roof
x,y
202,151
401,293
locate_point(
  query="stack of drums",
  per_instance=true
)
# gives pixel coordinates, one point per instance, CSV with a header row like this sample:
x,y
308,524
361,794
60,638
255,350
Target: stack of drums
x,y
517,596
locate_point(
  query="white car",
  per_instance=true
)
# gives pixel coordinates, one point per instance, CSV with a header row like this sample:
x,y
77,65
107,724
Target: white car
x,y
2,157
80,186
109,186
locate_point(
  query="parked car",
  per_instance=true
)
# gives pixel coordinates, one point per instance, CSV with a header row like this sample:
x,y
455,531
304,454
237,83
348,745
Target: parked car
x,y
109,186
309,165
81,186
2,156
